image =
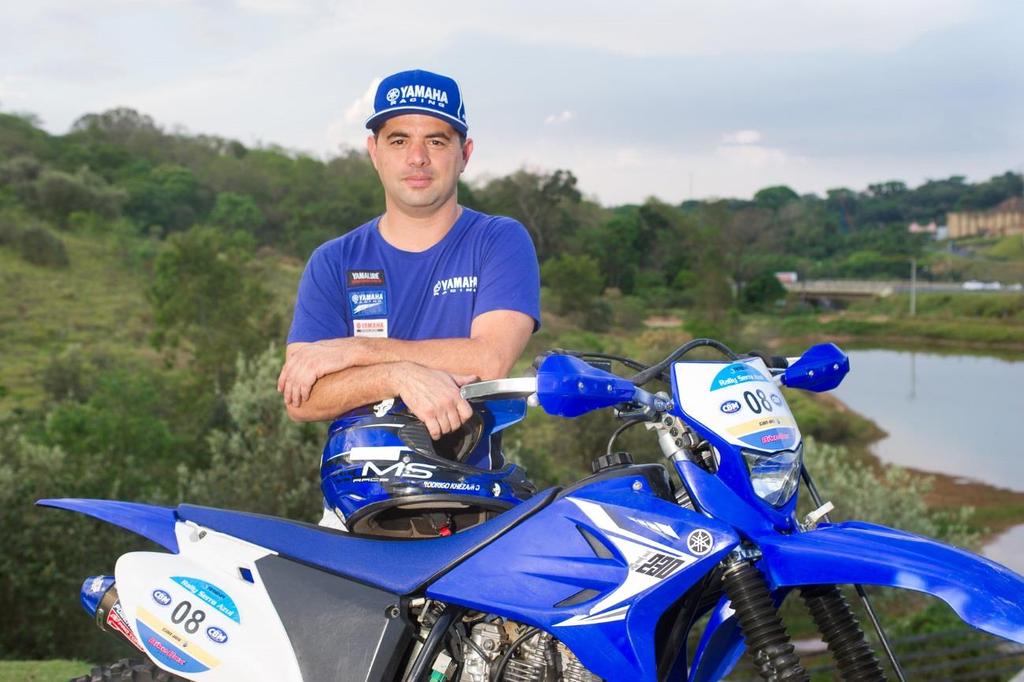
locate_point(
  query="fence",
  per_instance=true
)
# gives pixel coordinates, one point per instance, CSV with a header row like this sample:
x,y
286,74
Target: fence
x,y
954,655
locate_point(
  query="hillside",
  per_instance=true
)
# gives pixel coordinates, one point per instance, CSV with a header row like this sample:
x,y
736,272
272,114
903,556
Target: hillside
x,y
97,303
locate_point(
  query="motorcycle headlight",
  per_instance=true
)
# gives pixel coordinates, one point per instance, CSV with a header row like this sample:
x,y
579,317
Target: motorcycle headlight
x,y
775,476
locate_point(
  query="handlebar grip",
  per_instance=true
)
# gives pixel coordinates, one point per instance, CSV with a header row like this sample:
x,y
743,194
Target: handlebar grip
x,y
771,361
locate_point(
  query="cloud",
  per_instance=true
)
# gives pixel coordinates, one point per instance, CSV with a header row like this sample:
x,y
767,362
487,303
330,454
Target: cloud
x,y
555,119
362,107
348,131
668,27
752,156
735,95
742,137
275,6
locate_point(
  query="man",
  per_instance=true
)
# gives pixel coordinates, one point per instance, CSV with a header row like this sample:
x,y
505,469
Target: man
x,y
423,299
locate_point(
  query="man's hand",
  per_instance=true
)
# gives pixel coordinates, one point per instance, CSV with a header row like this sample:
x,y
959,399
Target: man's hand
x,y
307,362
433,396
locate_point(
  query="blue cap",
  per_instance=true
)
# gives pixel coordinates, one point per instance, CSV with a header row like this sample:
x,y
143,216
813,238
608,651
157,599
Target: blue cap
x,y
419,92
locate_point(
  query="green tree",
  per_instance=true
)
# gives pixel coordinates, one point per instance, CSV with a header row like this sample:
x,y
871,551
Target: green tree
x,y
21,134
208,301
575,281
237,212
774,198
133,419
166,199
549,205
762,291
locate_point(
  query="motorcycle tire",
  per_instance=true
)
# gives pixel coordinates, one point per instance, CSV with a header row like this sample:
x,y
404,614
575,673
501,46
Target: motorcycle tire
x,y
129,670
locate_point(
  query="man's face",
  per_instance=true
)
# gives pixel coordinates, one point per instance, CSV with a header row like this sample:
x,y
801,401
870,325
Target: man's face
x,y
419,160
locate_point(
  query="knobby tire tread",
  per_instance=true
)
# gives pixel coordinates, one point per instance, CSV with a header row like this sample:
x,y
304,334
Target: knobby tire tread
x,y
129,670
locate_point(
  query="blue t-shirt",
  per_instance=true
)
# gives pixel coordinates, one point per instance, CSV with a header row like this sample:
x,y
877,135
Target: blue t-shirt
x,y
359,285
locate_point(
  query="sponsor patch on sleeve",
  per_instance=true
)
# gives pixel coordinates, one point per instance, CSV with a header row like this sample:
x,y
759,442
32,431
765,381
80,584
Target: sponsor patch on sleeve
x,y
365,278
369,303
371,328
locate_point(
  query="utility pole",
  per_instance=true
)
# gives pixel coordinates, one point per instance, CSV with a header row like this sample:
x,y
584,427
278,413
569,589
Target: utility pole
x,y
913,286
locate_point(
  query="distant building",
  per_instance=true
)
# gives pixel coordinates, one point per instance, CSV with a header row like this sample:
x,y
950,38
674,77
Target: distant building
x,y
916,228
1006,218
787,277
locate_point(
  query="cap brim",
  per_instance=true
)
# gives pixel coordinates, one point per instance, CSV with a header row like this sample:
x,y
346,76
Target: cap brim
x,y
378,119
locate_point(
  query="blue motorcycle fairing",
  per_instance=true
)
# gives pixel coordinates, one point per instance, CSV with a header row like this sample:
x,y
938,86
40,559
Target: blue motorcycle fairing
x,y
720,647
720,501
398,566
984,594
587,569
728,494
149,521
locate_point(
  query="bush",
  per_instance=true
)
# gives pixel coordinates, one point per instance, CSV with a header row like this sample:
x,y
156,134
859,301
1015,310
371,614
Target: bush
x,y
598,315
270,462
39,246
575,281
10,230
59,194
761,292
893,498
630,312
70,375
47,553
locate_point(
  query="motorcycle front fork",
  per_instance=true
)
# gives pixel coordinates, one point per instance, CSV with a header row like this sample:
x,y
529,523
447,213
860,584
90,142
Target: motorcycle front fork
x,y
768,641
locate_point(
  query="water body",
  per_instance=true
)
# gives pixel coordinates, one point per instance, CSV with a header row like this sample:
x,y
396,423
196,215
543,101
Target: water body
x,y
961,415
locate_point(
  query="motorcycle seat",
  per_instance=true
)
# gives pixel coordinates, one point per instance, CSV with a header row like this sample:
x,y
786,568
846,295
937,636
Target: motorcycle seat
x,y
396,565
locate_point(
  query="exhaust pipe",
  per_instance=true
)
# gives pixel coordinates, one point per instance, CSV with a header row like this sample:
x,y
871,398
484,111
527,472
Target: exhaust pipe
x,y
99,599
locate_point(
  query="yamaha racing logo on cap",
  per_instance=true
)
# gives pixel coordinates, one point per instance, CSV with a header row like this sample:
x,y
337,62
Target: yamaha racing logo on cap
x,y
419,92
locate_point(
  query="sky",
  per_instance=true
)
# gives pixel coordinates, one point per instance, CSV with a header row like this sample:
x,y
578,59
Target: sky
x,y
662,98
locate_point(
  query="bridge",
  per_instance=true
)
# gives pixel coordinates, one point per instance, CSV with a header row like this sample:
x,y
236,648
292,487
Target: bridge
x,y
865,288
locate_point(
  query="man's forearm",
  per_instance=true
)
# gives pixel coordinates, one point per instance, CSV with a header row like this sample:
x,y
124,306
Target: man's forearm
x,y
342,391
458,356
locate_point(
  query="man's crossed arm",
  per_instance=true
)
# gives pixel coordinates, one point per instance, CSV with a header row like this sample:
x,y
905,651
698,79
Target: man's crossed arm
x,y
324,379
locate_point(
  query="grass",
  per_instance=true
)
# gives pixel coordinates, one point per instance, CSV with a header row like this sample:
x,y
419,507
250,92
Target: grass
x,y
97,302
1010,248
892,329
42,671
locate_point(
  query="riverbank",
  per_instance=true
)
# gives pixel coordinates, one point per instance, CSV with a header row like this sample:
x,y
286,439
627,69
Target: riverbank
x,y
996,509
1002,337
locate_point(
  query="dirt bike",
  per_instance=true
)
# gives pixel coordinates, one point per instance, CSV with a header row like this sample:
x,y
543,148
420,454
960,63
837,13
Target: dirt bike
x,y
601,579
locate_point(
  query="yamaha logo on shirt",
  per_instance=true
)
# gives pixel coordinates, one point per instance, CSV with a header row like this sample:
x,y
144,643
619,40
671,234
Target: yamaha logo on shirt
x,y
455,285
369,303
365,278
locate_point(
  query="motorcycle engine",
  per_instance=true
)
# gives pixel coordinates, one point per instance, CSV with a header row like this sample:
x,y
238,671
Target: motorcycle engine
x,y
538,658
487,648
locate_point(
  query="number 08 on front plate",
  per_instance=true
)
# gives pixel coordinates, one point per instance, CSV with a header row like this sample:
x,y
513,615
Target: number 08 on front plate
x,y
739,401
